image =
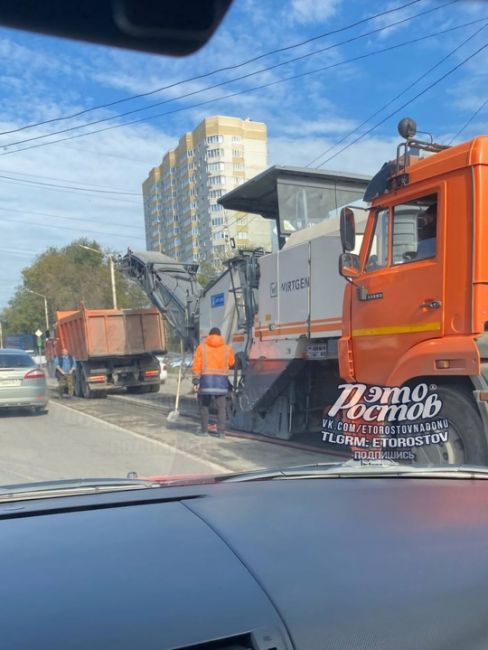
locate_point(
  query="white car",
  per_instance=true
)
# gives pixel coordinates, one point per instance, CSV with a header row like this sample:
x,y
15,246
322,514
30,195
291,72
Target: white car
x,y
164,369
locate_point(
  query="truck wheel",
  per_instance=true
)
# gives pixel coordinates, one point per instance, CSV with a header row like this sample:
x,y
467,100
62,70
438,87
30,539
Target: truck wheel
x,y
86,391
78,380
466,442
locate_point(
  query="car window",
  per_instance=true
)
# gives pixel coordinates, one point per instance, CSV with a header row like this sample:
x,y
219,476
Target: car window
x,y
16,361
415,230
378,251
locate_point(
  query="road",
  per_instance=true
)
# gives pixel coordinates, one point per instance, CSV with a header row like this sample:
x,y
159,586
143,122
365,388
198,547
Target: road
x,y
66,443
120,434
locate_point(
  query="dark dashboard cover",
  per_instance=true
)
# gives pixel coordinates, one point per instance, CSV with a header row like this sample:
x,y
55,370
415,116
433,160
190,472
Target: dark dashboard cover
x,y
322,563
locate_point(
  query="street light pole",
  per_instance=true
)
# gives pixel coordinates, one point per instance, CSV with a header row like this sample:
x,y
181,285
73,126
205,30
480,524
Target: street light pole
x,y
112,271
46,313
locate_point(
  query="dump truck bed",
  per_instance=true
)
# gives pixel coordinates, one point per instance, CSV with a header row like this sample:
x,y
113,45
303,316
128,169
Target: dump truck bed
x,y
92,333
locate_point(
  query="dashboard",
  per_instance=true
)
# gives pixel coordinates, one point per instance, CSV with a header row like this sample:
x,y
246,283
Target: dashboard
x,y
384,563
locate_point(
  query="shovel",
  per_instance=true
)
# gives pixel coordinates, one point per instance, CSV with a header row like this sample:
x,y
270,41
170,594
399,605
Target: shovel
x,y
175,414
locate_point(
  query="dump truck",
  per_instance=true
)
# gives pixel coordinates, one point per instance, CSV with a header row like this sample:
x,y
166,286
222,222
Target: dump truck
x,y
113,348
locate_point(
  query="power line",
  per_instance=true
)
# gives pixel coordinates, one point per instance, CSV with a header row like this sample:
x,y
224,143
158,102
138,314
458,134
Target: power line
x,y
468,122
60,189
247,90
217,70
13,251
56,227
229,81
66,187
109,155
400,108
114,190
400,94
58,216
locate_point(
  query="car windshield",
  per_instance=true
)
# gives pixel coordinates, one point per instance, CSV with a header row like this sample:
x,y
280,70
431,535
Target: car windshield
x,y
250,257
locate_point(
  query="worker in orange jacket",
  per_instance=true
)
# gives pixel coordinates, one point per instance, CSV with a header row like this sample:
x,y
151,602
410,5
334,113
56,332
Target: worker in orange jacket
x,y
211,364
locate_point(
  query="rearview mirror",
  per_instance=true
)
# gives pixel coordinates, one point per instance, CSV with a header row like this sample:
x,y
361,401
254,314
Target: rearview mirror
x,y
349,265
347,229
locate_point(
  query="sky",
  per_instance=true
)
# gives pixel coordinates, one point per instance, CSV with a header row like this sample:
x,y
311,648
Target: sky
x,y
89,184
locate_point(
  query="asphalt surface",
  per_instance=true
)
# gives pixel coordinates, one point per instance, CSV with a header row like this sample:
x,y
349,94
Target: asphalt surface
x,y
111,437
66,443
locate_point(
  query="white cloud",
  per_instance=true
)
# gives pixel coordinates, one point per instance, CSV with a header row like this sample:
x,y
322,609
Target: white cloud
x,y
366,157
312,11
33,217
331,125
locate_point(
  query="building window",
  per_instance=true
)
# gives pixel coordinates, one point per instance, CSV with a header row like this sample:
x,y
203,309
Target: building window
x,y
242,235
237,153
215,139
215,207
215,167
238,167
215,153
217,180
218,221
236,138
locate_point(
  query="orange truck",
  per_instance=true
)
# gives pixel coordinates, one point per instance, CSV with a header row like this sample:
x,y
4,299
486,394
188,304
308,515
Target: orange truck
x,y
113,348
415,306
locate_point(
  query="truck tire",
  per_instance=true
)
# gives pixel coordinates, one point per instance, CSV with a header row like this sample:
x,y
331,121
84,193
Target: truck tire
x,y
85,389
78,379
466,443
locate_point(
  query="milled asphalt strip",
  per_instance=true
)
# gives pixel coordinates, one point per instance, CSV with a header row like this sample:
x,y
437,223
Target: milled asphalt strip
x,y
242,435
194,457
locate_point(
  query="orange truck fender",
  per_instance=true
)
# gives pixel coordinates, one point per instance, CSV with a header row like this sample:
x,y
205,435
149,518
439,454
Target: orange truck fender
x,y
460,353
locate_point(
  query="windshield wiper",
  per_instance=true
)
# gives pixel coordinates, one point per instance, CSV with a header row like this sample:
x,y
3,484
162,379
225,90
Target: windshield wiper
x,y
360,469
71,486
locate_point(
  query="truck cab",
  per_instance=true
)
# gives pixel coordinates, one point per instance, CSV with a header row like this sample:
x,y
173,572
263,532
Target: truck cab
x,y
416,303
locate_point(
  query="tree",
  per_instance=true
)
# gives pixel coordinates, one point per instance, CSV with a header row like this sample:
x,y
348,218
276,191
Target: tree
x,y
67,276
206,273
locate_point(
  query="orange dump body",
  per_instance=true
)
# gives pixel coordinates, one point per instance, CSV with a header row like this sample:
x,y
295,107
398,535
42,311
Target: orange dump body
x,y
95,333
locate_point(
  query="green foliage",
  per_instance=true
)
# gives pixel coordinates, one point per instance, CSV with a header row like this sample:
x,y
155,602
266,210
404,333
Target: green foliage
x,y
67,276
206,273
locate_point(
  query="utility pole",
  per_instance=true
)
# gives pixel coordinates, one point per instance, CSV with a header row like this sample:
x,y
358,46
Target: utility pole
x,y
112,270
1,335
112,280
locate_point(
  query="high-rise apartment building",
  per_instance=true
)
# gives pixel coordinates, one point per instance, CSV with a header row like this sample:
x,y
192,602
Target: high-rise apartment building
x,y
181,213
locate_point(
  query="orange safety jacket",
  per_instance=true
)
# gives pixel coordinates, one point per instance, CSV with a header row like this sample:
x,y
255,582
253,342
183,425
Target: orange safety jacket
x,y
211,364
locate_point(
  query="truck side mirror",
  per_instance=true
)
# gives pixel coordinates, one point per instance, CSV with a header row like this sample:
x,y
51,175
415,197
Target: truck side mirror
x,y
347,229
349,265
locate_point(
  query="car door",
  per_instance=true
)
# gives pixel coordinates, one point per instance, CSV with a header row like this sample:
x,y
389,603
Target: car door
x,y
398,298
